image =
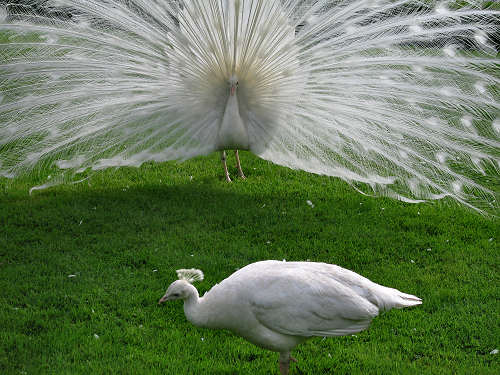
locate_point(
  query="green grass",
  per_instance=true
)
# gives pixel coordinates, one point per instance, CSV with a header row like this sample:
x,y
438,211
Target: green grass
x,y
123,233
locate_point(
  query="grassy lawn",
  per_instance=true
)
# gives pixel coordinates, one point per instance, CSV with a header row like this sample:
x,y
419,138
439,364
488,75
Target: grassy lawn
x,y
122,234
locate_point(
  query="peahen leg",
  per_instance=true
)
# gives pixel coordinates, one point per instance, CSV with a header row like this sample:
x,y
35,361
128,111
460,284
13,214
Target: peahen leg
x,y
285,359
223,159
238,165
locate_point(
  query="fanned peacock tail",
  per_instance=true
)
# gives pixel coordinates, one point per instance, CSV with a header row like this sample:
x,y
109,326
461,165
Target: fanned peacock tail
x,y
397,97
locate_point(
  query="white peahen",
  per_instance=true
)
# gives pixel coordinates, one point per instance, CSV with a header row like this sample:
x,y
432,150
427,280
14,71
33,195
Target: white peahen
x,y
397,97
278,305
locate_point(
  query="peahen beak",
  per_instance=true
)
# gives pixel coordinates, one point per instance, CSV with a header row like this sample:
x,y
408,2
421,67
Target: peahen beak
x,y
163,299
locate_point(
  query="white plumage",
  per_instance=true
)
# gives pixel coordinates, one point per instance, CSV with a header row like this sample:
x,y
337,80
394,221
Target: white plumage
x,y
278,305
397,97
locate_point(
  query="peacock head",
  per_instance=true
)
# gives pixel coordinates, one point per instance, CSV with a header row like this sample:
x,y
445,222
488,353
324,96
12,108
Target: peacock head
x,y
182,288
233,84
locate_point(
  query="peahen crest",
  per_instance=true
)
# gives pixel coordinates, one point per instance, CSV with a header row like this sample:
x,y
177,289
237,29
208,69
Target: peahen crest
x,y
190,275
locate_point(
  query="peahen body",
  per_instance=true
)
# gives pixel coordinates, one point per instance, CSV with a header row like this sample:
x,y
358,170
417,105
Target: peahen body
x,y
278,305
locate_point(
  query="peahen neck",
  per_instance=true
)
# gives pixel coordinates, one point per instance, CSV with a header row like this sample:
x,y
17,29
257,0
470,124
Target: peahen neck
x,y
233,133
193,308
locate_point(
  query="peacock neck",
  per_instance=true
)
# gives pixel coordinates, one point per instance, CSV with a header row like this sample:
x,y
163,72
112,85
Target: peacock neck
x,y
233,132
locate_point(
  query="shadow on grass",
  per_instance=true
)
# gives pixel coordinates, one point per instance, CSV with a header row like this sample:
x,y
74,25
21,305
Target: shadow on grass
x,y
242,221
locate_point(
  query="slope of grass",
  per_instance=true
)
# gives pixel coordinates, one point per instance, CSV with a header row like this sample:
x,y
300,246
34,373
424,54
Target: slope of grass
x,y
83,266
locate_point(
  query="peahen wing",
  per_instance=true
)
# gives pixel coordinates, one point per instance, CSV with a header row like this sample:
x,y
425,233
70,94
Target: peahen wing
x,y
299,303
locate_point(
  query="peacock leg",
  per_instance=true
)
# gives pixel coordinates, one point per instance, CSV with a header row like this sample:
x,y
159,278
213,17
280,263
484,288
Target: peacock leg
x,y
238,165
223,159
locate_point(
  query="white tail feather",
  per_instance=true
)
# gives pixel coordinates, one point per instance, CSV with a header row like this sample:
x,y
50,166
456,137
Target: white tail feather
x,y
407,300
390,298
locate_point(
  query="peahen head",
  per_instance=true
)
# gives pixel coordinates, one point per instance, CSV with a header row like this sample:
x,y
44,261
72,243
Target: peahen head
x,y
182,288
179,289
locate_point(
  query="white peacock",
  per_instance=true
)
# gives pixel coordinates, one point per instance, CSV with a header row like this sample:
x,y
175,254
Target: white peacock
x,y
397,97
